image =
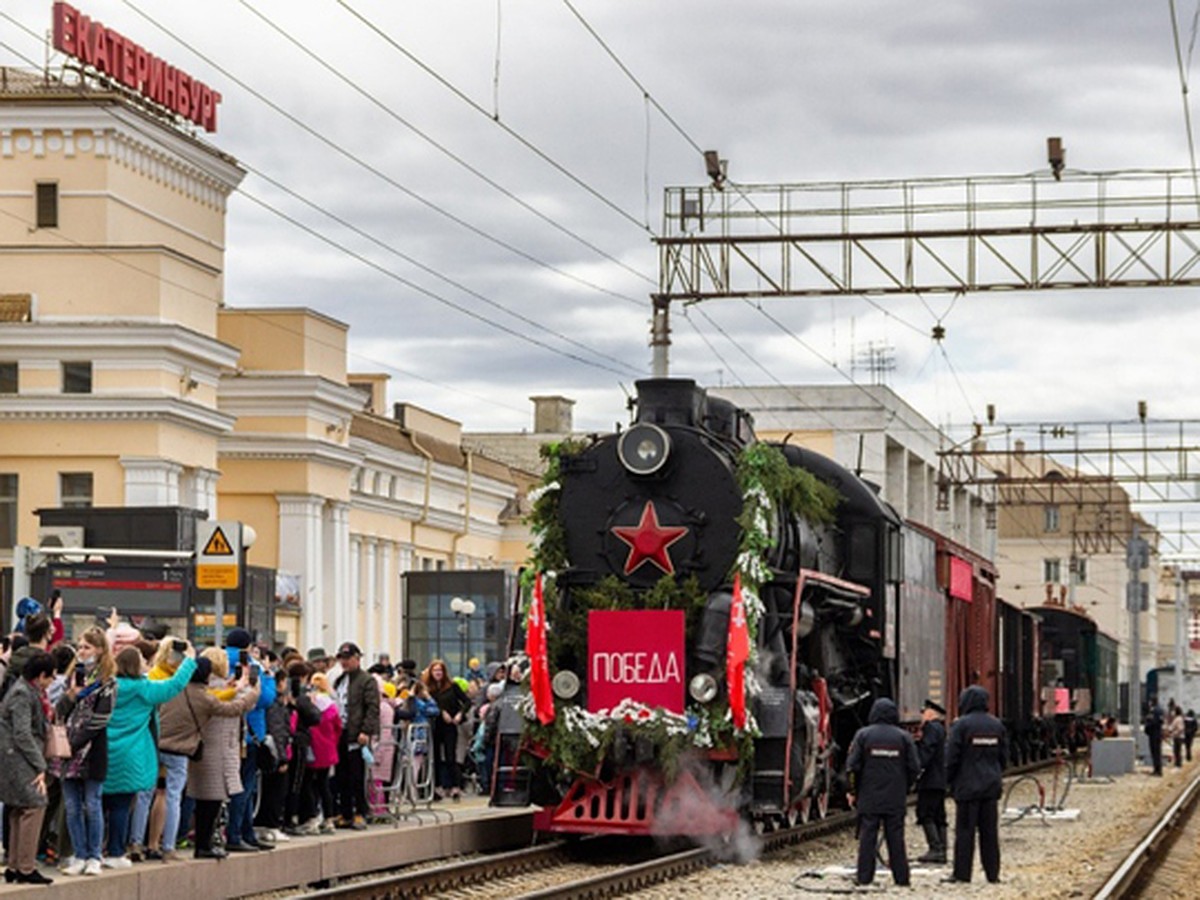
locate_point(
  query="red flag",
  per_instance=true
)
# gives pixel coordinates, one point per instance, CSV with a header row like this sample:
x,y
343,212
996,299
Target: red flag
x,y
736,654
535,649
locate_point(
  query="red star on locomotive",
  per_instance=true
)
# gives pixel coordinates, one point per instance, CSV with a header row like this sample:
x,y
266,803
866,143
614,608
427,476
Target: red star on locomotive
x,y
649,541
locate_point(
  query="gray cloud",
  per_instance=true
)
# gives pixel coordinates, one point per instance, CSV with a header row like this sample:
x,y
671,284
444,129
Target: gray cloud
x,y
789,92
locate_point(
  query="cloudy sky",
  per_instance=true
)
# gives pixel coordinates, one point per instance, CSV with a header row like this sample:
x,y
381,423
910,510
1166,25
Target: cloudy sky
x,y
498,180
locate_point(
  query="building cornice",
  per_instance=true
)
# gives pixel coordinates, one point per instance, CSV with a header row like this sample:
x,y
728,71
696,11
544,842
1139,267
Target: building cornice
x,y
251,394
133,140
243,445
110,339
91,407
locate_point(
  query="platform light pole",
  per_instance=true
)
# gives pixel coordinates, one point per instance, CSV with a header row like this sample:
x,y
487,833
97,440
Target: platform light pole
x,y
463,610
1137,557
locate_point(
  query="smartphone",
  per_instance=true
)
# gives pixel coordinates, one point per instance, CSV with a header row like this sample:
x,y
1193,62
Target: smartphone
x,y
253,675
80,677
297,687
237,673
179,646
244,657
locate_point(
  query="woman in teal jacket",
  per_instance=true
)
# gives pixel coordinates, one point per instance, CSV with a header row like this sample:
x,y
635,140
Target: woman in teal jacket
x,y
132,754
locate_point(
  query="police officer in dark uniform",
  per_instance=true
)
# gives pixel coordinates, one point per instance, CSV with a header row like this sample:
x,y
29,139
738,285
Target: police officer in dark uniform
x,y
882,765
975,756
931,785
1154,734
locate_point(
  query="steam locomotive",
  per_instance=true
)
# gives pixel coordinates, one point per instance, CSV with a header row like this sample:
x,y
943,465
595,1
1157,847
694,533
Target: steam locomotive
x,y
650,532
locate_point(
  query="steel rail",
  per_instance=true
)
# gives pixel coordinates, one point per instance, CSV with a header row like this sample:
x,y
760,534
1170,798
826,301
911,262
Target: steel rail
x,y
1146,854
429,881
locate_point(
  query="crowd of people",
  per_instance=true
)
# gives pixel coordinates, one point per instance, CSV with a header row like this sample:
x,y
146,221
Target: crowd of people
x,y
129,744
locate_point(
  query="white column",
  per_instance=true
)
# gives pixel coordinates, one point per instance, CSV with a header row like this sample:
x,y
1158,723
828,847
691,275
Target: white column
x,y
204,488
387,590
301,539
151,482
355,596
338,605
370,597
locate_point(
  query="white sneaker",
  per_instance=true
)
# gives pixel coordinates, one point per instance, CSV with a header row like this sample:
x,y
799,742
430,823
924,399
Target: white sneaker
x,y
278,836
92,867
117,862
74,866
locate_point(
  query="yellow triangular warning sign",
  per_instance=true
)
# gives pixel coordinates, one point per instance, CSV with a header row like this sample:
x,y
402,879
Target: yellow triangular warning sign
x,y
218,544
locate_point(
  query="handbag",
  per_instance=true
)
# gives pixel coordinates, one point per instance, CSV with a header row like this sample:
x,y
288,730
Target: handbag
x,y
57,744
197,754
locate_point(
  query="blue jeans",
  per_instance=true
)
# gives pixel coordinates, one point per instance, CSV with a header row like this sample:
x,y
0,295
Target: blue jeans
x,y
141,817
85,816
177,768
118,808
241,806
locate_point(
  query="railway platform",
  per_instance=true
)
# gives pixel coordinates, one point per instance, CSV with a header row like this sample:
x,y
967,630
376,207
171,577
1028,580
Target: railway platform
x,y
449,829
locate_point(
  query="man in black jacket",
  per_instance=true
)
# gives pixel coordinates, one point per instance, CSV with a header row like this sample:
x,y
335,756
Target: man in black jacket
x,y
975,755
931,785
358,700
882,765
1154,734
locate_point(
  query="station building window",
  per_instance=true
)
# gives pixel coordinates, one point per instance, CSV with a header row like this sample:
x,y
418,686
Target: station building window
x,y
74,490
8,378
8,509
47,204
1050,517
1080,570
1052,571
77,377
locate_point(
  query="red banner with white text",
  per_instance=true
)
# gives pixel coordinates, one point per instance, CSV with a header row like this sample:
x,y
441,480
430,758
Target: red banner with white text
x,y
636,655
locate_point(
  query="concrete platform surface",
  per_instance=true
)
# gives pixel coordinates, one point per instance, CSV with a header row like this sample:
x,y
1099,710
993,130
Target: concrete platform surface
x,y
466,827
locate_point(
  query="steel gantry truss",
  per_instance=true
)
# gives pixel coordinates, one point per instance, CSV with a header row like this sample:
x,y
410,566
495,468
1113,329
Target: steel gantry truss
x,y
1110,471
1002,233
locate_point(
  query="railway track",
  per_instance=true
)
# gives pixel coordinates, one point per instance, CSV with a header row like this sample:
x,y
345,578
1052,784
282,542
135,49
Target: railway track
x,y
580,869
585,869
1164,863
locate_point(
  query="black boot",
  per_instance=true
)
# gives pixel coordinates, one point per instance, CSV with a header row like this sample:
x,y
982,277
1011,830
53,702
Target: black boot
x,y
943,845
931,837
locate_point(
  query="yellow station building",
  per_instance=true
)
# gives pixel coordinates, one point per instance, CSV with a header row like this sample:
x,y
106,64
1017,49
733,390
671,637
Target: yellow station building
x,y
128,378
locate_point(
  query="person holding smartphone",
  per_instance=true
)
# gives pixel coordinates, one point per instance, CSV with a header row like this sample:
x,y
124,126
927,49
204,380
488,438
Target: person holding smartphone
x,y
240,833
86,706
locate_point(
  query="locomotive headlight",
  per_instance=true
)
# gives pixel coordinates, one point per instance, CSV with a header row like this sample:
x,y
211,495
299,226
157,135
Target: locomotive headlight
x,y
703,688
565,684
644,449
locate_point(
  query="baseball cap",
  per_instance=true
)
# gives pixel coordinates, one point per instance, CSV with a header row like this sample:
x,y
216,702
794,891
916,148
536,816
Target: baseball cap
x,y
348,649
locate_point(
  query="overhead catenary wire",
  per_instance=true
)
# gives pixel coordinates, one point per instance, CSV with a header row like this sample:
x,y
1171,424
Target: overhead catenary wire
x,y
381,269
374,170
695,145
433,142
429,270
110,255
513,133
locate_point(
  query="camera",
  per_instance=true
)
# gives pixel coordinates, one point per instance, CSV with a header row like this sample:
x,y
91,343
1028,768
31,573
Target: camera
x,y
179,646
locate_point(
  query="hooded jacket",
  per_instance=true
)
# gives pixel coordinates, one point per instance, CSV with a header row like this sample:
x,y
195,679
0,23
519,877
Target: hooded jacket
x,y
976,750
883,762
